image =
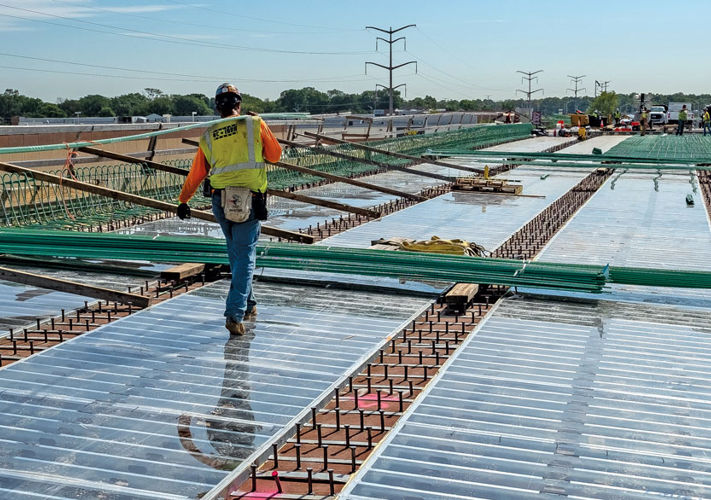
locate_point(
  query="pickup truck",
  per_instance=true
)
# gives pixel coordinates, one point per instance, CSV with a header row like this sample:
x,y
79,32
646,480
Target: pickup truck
x,y
658,115
673,112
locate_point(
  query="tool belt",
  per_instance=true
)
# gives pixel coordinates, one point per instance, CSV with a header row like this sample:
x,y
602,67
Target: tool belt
x,y
237,202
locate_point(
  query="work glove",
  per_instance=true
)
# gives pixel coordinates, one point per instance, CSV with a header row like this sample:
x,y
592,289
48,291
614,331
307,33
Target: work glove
x,y
183,211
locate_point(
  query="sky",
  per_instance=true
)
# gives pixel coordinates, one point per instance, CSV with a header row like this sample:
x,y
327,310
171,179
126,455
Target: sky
x,y
464,49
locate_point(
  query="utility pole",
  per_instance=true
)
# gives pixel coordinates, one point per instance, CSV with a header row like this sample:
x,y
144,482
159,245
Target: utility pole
x,y
602,86
575,80
529,76
390,41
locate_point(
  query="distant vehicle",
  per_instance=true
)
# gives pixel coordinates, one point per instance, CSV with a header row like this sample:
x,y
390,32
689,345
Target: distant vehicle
x,y
658,115
673,112
379,112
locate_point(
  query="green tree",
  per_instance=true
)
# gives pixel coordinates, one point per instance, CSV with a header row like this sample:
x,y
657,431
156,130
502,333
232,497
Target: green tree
x,y
10,104
90,105
106,111
184,105
129,104
49,110
153,93
606,104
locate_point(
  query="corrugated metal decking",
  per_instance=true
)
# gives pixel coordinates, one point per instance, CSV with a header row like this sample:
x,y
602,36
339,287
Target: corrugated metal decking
x,y
485,219
162,404
555,399
636,226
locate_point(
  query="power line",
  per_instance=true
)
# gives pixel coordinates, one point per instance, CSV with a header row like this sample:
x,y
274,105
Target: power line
x,y
390,67
460,61
159,37
193,77
529,76
576,80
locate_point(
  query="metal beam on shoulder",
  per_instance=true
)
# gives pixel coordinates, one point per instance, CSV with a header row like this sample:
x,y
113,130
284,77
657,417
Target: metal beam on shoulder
x,y
180,171
50,283
337,178
402,156
140,200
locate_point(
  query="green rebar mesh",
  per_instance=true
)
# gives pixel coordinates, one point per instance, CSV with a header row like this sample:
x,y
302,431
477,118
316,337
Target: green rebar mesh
x,y
344,260
691,148
25,201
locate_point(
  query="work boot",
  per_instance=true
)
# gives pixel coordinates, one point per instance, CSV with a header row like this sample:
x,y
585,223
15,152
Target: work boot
x,y
234,327
251,315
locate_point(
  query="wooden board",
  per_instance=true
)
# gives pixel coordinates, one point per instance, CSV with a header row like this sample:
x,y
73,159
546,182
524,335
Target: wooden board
x,y
42,281
182,271
460,295
333,177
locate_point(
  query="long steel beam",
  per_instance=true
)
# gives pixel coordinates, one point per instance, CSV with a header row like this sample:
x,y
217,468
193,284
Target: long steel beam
x,y
139,200
282,194
402,156
380,164
337,178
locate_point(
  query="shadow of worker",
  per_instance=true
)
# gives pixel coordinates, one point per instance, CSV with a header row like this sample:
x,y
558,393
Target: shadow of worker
x,y
230,425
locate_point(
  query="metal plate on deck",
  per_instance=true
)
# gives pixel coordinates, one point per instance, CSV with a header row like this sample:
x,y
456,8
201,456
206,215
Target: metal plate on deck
x,y
163,404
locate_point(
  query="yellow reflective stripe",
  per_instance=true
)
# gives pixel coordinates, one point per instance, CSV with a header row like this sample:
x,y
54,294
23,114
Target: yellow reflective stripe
x,y
237,166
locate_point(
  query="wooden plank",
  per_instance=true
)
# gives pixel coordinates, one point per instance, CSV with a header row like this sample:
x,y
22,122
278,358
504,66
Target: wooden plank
x,y
402,156
42,281
140,200
380,164
460,295
132,159
282,194
325,203
338,178
182,271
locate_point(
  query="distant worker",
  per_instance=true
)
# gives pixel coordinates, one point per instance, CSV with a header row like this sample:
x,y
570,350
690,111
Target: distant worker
x,y
643,120
618,117
706,120
682,119
232,155
582,133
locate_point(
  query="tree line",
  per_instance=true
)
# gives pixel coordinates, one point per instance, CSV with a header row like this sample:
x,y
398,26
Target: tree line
x,y
310,100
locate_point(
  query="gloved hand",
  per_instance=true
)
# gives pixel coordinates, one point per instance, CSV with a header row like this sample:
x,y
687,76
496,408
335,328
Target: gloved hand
x,y
183,211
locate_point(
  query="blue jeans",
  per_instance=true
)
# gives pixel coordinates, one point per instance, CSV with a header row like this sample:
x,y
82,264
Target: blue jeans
x,y
707,125
680,128
241,239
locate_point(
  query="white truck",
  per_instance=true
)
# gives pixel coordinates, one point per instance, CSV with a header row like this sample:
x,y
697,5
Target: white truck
x,y
657,115
673,112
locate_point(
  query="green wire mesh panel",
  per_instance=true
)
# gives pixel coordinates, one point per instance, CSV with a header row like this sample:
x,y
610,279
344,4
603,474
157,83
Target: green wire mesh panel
x,y
469,138
26,201
695,148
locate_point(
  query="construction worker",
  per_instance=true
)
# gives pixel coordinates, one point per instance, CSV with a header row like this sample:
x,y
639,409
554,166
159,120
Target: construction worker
x,y
618,117
682,119
232,155
643,120
706,120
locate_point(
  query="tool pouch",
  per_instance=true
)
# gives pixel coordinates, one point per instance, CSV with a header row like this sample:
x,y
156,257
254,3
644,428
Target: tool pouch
x,y
237,203
259,205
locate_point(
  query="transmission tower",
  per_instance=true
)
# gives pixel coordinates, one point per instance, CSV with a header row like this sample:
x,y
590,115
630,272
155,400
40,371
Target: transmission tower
x,y
602,86
529,76
575,80
390,41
